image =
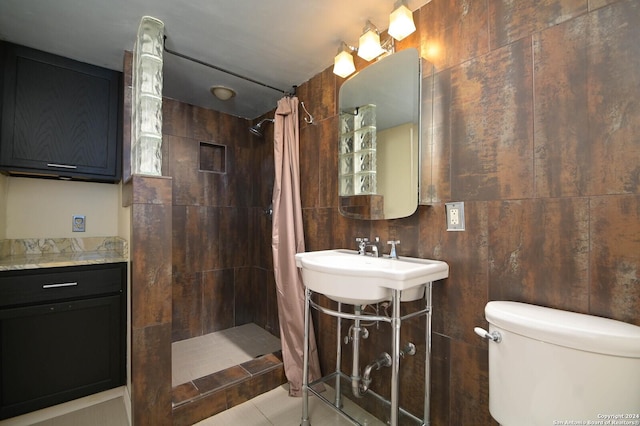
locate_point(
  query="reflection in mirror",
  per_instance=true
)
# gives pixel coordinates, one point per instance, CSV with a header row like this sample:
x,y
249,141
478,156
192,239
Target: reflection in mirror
x,y
379,139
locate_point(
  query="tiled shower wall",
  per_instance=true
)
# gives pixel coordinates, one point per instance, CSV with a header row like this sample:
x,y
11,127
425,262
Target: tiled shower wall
x,y
541,143
206,268
222,274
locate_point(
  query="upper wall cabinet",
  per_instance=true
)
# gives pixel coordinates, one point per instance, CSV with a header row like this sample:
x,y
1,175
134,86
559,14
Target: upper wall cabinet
x,y
60,117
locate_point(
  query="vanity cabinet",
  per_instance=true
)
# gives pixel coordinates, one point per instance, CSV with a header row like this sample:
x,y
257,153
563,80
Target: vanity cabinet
x,y
60,117
62,334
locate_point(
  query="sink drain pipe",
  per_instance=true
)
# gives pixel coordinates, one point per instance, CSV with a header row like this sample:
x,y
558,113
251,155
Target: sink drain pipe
x,y
360,385
384,360
356,380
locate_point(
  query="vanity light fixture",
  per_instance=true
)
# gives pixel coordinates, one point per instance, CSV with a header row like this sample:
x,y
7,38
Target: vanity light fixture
x,y
343,61
222,93
369,45
401,21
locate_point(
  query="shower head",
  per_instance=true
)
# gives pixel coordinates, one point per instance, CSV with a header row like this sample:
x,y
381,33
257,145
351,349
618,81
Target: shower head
x,y
256,129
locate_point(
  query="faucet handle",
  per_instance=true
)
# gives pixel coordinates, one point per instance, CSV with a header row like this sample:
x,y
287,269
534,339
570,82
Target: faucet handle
x,y
362,244
393,254
362,241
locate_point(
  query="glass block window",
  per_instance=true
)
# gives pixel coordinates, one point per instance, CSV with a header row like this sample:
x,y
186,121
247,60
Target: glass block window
x,y
357,151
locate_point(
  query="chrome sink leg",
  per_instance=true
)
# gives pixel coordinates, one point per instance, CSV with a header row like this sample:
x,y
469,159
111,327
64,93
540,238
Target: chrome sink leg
x,y
427,359
338,398
305,362
395,358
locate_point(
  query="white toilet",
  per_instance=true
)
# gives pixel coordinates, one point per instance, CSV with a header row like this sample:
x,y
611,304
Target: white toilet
x,y
551,367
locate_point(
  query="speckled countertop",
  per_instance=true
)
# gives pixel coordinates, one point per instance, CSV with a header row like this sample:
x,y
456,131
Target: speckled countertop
x,y
54,252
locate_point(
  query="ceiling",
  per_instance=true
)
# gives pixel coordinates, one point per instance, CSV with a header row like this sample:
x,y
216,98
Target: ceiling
x,y
280,43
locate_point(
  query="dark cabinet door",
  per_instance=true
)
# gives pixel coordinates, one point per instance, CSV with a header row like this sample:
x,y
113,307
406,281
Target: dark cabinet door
x,y
58,352
62,334
60,117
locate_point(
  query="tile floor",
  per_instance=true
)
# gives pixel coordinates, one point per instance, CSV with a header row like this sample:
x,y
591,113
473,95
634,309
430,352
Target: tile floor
x,y
279,409
108,413
192,358
102,409
275,408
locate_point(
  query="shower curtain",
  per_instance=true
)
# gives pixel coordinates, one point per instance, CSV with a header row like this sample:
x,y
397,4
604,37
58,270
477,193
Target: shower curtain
x,y
287,240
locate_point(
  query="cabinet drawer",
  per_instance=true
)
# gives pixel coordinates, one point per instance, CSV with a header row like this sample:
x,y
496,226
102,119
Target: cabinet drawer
x,y
52,284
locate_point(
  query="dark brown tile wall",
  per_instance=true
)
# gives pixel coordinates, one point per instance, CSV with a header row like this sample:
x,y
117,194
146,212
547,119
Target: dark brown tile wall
x,y
511,21
149,199
220,270
491,100
539,139
150,298
614,287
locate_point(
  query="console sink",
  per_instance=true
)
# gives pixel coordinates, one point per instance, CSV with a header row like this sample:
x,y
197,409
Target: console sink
x,y
347,277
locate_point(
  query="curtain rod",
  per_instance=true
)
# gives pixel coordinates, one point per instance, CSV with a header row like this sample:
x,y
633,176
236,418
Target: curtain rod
x,y
198,61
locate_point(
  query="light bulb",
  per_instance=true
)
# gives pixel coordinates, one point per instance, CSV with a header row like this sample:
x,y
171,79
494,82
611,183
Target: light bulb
x,y
369,45
401,22
343,62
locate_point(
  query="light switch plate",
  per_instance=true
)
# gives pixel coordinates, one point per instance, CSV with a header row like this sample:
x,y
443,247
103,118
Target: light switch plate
x,y
78,224
455,216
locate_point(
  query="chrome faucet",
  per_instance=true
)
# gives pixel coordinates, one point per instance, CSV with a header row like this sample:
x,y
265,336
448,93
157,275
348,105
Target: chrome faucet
x,y
367,248
374,250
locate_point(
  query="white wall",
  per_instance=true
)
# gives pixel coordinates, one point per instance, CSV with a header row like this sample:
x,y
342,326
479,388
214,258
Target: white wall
x,y
4,182
39,208
397,155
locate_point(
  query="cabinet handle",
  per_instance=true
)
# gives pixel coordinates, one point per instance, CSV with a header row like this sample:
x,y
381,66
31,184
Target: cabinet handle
x,y
59,285
61,166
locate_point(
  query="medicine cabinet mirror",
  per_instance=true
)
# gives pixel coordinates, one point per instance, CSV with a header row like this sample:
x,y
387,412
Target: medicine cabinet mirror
x,y
380,134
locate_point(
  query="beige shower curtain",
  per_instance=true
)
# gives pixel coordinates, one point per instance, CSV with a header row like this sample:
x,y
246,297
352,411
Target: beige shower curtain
x,y
287,240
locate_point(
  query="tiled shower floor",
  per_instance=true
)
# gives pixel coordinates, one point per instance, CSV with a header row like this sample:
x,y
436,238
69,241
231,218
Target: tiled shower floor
x,y
200,356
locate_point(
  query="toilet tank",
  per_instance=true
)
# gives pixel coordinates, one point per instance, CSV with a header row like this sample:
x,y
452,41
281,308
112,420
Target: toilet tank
x,y
554,367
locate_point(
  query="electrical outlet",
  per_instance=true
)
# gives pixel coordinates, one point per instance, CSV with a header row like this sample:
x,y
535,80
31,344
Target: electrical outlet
x,y
78,224
455,216
454,219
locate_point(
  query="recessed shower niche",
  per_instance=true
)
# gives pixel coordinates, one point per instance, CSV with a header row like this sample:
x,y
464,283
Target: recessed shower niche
x,y
213,157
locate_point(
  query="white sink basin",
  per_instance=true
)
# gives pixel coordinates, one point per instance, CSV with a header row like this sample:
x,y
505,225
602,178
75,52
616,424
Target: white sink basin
x,y
347,277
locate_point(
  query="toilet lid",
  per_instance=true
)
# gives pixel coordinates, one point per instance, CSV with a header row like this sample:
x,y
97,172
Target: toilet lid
x,y
569,329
